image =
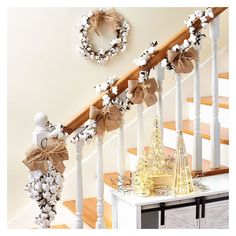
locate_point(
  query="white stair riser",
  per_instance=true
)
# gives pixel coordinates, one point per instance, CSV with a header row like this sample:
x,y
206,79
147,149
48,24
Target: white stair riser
x,y
170,141
224,87
206,114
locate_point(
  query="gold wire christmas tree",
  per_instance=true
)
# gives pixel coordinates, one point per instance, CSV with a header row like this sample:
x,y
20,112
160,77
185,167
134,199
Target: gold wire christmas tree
x,y
143,184
156,155
151,166
182,179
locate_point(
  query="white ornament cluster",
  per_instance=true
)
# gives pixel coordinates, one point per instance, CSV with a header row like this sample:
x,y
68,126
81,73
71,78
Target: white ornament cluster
x,y
56,131
195,36
107,85
86,132
101,56
46,190
146,55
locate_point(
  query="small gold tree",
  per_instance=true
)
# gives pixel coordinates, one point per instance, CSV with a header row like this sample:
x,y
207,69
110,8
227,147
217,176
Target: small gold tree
x,y
182,179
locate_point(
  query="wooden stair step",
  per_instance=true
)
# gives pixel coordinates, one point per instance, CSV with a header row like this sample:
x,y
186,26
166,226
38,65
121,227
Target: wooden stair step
x,y
223,75
59,227
223,102
204,129
90,211
206,169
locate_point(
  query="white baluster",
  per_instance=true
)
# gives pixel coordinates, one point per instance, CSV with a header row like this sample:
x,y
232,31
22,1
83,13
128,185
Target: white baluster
x,y
100,184
121,151
40,133
178,105
215,125
197,140
140,131
40,136
79,185
159,73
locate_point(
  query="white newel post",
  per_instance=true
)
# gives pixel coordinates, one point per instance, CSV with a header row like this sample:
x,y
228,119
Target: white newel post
x,y
197,140
40,135
178,105
159,74
79,185
140,131
121,150
215,125
100,184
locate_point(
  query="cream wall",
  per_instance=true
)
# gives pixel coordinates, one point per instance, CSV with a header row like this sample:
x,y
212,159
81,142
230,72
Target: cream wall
x,y
45,74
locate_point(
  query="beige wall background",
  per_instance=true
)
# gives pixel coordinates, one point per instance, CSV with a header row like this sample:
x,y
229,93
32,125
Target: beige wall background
x,y
45,73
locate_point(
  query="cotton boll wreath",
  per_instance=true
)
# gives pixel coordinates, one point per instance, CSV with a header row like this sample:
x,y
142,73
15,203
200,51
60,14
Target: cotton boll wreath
x,y
91,22
46,169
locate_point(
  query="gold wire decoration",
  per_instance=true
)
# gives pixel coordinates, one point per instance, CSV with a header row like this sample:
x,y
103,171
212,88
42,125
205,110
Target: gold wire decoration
x,y
182,179
156,156
143,184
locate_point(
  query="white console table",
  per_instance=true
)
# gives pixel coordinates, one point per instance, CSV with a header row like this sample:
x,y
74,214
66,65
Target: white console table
x,y
207,209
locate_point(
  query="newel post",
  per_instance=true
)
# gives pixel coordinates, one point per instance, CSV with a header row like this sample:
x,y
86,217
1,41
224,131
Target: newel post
x,y
40,133
40,136
215,124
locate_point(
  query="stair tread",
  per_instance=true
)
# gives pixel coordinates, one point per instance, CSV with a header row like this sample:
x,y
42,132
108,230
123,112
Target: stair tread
x,y
90,211
63,226
224,75
223,102
204,129
206,169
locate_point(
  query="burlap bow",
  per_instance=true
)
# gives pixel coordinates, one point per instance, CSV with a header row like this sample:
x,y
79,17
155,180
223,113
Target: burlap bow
x,y
37,157
109,16
182,60
107,119
143,91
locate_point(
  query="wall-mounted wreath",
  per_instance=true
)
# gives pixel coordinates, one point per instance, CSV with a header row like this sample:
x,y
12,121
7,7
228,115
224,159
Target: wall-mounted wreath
x,y
91,22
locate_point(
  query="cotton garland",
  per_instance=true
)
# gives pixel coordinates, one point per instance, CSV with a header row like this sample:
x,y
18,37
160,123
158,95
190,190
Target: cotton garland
x,y
102,56
88,131
46,188
195,36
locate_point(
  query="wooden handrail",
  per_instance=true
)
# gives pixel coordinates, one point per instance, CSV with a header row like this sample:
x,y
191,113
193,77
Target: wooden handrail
x,y
80,118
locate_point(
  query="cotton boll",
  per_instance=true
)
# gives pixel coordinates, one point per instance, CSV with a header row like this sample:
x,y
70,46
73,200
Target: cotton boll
x,y
114,90
164,62
46,209
198,13
45,187
192,17
186,43
151,50
192,38
211,14
38,186
191,30
204,25
90,13
175,47
53,189
46,195
203,19
188,23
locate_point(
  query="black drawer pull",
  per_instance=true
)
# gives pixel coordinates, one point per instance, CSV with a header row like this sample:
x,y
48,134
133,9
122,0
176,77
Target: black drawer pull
x,y
162,208
197,208
203,207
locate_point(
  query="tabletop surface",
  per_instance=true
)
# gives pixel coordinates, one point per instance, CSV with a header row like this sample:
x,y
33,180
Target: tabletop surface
x,y
217,184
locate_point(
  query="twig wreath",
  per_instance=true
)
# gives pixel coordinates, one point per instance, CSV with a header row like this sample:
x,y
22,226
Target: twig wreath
x,y
91,22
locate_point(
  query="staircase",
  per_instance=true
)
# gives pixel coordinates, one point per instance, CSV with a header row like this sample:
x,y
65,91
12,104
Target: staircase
x,y
89,204
96,212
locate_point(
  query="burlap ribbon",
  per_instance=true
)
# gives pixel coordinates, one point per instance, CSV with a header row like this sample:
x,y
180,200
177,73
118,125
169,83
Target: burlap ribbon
x,y
182,60
143,91
109,16
107,119
37,157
